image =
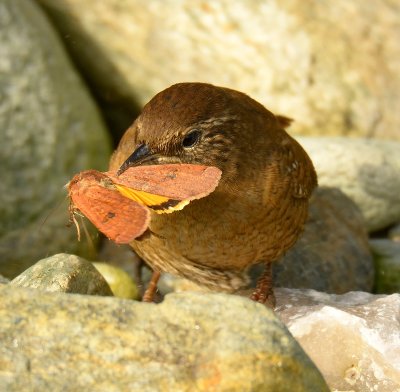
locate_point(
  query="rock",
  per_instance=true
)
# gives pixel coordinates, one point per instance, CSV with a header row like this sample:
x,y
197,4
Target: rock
x,y
173,284
121,256
366,170
333,254
387,265
4,280
394,233
354,338
56,341
64,273
50,129
121,284
300,61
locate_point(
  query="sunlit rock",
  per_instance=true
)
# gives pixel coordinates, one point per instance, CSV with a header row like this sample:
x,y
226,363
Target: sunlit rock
x,y
354,339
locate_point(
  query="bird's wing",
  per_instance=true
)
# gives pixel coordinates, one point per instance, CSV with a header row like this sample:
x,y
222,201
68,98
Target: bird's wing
x,y
284,121
299,168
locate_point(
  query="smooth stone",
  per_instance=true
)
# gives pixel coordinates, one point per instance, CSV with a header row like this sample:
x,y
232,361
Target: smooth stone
x,y
354,338
366,170
394,233
387,265
121,284
332,254
202,342
50,129
332,66
4,280
64,273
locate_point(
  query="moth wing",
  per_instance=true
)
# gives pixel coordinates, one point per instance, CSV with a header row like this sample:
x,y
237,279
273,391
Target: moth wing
x,y
117,217
159,204
174,181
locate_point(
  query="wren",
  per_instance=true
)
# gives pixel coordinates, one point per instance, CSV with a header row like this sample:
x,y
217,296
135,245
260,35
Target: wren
x,y
260,206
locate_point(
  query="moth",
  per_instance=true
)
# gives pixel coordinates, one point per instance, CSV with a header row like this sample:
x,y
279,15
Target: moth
x,y
120,205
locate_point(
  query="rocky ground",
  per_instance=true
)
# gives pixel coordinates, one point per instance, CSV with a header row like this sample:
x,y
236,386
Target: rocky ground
x,y
69,324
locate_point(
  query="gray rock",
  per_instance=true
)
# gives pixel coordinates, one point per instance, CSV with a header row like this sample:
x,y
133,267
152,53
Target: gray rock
x,y
332,66
394,233
366,170
387,265
4,280
333,254
202,342
50,129
64,273
353,338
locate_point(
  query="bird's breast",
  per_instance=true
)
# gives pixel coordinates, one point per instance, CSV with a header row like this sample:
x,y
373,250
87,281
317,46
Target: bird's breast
x,y
224,232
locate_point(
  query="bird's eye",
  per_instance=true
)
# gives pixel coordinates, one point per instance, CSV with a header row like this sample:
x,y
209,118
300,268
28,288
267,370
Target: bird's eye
x,y
191,138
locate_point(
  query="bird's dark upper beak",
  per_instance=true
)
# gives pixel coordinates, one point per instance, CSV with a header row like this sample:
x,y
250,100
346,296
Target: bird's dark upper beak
x,y
141,155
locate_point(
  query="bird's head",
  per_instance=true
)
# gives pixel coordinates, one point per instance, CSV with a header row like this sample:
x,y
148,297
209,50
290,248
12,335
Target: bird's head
x,y
196,123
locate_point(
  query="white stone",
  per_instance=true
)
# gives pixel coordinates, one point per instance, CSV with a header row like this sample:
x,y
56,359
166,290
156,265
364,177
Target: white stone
x,y
366,170
354,338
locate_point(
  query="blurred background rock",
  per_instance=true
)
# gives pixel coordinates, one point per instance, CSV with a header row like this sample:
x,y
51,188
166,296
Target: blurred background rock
x,y
50,129
332,65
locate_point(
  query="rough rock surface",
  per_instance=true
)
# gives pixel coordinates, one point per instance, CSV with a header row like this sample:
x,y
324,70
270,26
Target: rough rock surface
x,y
64,273
49,129
354,338
366,170
57,341
300,61
387,265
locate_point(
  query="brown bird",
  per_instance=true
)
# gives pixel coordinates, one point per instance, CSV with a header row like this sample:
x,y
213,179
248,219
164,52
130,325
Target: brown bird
x,y
257,211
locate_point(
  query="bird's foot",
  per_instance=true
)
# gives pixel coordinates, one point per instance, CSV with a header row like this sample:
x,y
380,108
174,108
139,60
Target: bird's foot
x,y
265,298
148,295
264,292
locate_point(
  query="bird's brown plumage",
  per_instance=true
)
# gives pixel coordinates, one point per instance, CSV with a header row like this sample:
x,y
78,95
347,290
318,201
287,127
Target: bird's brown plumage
x,y
260,205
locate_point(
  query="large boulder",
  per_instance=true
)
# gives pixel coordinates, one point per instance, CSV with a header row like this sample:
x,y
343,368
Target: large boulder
x,y
49,129
191,341
331,65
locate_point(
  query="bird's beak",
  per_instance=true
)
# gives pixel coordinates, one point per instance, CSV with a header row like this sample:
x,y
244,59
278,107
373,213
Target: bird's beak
x,y
141,155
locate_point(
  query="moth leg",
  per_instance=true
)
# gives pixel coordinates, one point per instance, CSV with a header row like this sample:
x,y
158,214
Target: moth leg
x,y
148,295
264,292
